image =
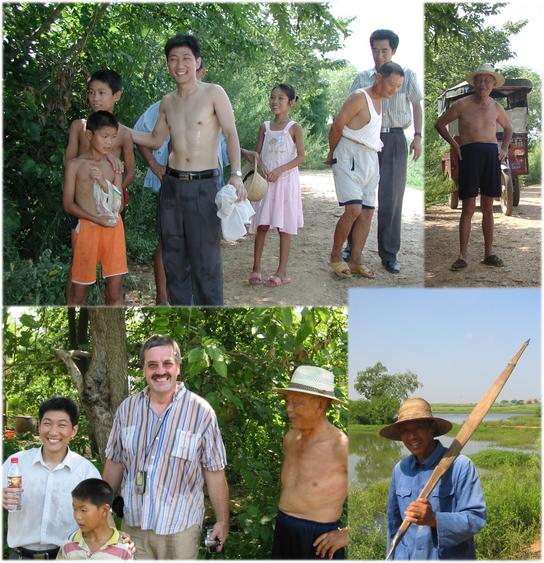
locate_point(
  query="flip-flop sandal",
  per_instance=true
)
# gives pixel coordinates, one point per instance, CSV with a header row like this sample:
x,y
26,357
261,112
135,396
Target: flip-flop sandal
x,y
275,281
255,278
341,269
360,270
492,260
459,264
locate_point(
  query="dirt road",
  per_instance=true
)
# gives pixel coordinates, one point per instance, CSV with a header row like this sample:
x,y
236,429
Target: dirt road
x,y
312,281
517,242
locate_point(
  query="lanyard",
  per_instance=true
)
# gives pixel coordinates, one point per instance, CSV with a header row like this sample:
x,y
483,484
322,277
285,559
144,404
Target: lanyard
x,y
147,449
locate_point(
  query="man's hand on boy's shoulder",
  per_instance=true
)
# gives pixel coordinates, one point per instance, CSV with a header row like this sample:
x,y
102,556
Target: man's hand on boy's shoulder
x,y
116,163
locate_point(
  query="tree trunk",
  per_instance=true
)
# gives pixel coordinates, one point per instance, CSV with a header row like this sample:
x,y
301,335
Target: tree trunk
x,y
102,385
105,382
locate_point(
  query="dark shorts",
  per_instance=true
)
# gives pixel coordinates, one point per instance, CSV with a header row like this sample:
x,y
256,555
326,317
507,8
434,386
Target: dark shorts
x,y
479,170
294,537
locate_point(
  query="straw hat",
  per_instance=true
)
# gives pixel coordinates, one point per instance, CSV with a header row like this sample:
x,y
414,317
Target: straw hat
x,y
312,380
411,410
485,69
254,183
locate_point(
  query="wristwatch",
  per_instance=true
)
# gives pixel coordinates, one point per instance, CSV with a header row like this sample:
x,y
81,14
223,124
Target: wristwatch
x,y
236,173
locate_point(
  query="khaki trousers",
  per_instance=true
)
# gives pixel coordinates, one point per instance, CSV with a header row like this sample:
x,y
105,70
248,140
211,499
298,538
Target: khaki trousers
x,y
149,545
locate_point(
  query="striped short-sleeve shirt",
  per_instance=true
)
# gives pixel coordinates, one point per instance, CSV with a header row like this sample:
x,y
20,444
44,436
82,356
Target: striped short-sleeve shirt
x,y
76,548
397,110
173,449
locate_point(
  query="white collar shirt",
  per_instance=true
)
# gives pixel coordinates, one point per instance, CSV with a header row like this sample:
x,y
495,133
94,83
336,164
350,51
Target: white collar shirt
x,y
397,110
45,519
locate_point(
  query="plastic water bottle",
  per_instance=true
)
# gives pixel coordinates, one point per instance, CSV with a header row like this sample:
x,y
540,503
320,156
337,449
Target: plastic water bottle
x,y
15,482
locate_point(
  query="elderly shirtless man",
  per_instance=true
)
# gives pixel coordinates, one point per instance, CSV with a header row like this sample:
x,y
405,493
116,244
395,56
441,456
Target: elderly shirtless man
x,y
479,156
314,475
193,115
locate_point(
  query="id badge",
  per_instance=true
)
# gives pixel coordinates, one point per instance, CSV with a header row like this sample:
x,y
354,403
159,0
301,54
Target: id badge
x,y
141,477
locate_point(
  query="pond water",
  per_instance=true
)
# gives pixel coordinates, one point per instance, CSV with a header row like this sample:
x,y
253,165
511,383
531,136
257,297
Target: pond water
x,y
459,418
372,458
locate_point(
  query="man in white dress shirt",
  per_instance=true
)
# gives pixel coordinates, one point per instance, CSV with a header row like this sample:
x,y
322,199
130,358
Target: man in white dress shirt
x,y
49,474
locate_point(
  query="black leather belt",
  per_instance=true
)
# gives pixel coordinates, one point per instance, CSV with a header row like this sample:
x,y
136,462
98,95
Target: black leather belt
x,y
188,176
392,130
34,554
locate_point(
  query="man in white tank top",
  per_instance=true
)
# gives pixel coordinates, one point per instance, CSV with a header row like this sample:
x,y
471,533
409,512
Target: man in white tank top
x,y
354,142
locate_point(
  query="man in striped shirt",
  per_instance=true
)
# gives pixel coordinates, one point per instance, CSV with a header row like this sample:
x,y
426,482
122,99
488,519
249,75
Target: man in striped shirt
x,y
397,113
165,444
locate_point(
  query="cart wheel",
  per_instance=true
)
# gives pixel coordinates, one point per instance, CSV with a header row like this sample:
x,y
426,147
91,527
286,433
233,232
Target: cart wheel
x,y
507,192
517,191
453,199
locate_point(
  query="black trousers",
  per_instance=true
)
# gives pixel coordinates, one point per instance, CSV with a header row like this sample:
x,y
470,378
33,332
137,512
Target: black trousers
x,y
294,537
191,241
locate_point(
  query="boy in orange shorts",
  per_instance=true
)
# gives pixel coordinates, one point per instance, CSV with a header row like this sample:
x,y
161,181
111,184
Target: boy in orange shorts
x,y
92,194
104,89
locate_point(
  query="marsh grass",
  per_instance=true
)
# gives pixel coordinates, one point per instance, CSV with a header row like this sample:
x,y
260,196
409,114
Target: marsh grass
x,y
367,521
497,408
511,484
516,432
512,493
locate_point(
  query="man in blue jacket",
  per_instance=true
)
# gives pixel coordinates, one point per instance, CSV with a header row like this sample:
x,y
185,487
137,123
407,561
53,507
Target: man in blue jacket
x,y
444,526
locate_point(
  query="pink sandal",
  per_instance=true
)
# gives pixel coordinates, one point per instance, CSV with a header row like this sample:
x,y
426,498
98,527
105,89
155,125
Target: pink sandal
x,y
255,278
275,281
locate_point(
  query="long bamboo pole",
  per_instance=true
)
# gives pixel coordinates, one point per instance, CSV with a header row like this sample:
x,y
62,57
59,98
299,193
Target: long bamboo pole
x,y
469,426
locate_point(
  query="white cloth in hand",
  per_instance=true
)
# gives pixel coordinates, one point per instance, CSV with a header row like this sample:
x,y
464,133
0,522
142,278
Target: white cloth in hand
x,y
107,202
234,214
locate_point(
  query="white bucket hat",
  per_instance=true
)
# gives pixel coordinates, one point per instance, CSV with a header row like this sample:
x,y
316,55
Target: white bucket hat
x,y
485,68
312,380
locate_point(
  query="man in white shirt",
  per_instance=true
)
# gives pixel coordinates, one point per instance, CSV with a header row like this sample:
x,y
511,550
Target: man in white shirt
x,y
399,112
49,474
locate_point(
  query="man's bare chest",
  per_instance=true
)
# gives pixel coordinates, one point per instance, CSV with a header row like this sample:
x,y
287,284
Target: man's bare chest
x,y
191,115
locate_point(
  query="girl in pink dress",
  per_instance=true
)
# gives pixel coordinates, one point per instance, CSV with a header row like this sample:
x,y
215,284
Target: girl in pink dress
x,y
281,148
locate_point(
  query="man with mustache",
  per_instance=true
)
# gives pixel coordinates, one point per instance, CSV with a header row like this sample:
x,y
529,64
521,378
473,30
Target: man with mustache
x,y
479,156
165,444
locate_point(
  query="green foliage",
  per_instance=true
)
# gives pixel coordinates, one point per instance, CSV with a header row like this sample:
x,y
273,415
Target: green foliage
x,y
414,172
382,394
535,165
41,282
50,50
367,522
491,459
232,358
512,493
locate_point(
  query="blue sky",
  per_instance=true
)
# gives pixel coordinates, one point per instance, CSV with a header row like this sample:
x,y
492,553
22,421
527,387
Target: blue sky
x,y
456,340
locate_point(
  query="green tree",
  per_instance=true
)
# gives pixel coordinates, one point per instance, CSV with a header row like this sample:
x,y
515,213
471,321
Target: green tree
x,y
382,394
